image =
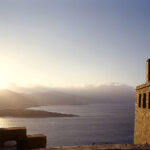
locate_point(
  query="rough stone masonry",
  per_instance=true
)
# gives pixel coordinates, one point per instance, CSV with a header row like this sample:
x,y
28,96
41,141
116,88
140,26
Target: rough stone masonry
x,y
142,110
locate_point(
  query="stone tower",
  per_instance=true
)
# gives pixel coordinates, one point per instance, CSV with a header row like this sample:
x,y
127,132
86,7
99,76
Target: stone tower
x,y
142,110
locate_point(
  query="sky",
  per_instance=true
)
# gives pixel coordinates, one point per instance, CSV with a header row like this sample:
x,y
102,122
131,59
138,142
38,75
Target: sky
x,y
66,43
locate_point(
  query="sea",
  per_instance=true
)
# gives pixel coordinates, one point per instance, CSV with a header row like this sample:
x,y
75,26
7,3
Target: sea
x,y
99,123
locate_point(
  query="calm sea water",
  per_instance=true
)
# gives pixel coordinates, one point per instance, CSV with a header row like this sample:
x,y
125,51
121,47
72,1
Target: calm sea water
x,y
98,123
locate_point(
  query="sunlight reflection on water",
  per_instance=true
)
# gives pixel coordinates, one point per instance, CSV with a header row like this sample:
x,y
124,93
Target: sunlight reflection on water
x,y
3,122
98,123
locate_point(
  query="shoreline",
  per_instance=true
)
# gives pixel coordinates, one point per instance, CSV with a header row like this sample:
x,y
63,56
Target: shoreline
x,y
28,113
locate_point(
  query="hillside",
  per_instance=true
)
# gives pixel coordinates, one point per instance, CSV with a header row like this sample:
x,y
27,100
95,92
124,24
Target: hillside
x,y
21,113
11,99
78,96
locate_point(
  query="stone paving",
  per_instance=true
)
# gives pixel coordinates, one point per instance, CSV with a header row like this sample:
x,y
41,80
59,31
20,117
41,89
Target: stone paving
x,y
95,147
103,147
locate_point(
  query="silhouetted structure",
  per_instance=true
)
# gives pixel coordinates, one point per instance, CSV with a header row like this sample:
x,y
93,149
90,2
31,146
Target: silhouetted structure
x,y
23,140
142,110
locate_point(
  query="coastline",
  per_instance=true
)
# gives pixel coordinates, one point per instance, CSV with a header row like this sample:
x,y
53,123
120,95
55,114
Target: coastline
x,y
28,113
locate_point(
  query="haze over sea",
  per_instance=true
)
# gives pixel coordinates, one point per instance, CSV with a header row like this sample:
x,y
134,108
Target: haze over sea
x,y
105,122
82,57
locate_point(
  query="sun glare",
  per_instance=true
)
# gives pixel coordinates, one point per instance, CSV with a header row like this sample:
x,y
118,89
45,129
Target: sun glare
x,y
4,122
3,84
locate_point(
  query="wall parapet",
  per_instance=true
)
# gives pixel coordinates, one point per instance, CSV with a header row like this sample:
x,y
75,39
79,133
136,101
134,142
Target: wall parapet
x,y
142,86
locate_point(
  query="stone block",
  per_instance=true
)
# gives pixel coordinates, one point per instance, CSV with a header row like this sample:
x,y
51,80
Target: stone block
x,y
15,133
36,141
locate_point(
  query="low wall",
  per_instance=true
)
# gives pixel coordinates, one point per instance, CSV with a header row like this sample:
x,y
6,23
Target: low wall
x,y
103,147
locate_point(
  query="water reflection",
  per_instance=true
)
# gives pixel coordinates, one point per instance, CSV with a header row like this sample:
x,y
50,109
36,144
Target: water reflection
x,y
4,122
98,123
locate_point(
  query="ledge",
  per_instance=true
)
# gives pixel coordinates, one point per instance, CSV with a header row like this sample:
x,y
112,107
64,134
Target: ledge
x,y
143,86
103,147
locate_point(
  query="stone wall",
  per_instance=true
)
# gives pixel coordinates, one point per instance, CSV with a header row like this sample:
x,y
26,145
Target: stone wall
x,y
23,140
142,117
103,147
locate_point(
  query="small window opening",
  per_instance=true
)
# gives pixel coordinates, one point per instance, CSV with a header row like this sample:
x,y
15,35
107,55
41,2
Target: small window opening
x,y
149,100
144,100
139,100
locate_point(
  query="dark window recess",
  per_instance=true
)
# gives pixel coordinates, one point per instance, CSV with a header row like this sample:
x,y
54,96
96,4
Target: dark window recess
x,y
149,100
144,100
139,100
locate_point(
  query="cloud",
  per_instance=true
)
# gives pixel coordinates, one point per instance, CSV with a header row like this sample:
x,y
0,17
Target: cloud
x,y
106,92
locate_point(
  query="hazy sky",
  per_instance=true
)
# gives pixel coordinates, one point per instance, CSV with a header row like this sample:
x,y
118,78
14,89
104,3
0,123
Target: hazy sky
x,y
74,42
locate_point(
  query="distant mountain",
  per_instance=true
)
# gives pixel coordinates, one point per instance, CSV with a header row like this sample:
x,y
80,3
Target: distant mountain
x,y
57,98
75,96
111,92
10,99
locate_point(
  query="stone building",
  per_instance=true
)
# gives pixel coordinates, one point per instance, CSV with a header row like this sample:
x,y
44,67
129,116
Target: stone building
x,y
142,110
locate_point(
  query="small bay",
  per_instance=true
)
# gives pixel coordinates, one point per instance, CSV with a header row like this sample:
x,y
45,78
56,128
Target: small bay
x,y
105,122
